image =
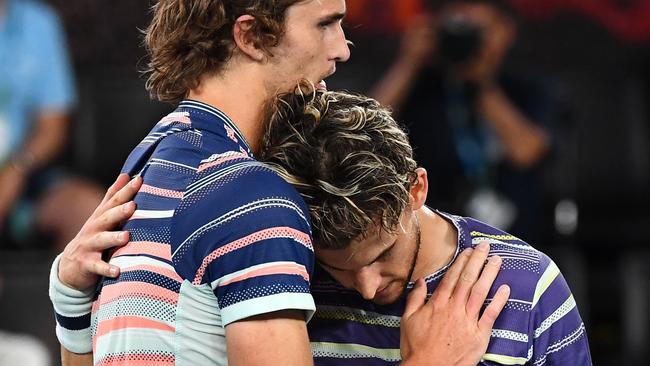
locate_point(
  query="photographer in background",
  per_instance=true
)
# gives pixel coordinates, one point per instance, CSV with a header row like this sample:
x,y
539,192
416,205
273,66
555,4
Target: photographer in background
x,y
480,132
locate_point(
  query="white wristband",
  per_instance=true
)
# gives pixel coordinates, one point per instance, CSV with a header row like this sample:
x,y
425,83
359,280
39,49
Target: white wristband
x,y
71,307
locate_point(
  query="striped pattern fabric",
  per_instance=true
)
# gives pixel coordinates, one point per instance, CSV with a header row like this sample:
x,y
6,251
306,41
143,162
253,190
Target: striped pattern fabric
x,y
216,237
540,324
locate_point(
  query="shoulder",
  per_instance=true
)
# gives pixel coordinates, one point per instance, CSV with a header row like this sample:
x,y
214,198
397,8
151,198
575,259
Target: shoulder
x,y
523,266
236,180
537,285
235,197
244,231
540,322
232,200
166,148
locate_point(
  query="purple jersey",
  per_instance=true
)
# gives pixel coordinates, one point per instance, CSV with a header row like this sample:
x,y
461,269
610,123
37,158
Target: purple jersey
x,y
540,324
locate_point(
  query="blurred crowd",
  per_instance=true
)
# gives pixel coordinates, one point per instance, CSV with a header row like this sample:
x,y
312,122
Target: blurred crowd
x,y
532,123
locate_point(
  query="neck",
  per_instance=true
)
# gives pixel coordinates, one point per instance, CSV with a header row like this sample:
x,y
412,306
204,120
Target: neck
x,y
439,240
240,93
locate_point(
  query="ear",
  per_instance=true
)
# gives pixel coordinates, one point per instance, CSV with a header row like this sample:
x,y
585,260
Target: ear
x,y
419,189
244,40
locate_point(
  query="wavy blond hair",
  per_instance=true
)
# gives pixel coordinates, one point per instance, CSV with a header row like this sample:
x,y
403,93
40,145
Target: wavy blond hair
x,y
348,158
189,38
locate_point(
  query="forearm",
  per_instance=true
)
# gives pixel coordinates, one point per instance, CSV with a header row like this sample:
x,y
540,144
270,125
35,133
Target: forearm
x,y
45,143
525,142
393,89
73,359
277,338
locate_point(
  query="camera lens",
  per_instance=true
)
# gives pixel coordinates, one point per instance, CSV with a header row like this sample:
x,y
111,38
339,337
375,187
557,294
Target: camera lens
x,y
459,40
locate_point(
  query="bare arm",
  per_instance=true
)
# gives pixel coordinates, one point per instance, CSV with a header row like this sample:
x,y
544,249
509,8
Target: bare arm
x,y
48,139
81,262
449,329
278,338
72,359
524,141
417,47
43,146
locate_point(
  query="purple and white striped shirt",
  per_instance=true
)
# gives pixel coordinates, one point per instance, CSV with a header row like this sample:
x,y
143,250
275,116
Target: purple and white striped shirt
x,y
540,324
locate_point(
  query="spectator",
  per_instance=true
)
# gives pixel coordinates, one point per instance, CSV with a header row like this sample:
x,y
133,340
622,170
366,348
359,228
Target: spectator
x,y
36,97
479,131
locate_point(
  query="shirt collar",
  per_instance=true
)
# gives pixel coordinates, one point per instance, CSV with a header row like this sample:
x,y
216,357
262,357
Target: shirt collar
x,y
215,121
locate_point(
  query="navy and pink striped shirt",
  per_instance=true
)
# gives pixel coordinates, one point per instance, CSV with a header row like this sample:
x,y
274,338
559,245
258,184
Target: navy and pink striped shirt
x,y
217,237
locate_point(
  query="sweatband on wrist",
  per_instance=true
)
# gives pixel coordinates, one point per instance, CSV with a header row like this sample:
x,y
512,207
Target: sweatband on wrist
x,y
72,310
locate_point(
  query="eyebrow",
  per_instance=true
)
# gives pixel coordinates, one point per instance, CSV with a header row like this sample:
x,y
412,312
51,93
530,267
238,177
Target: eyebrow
x,y
332,17
371,262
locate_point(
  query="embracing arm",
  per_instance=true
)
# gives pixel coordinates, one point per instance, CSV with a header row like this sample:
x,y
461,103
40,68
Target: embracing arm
x,y
73,359
81,260
77,270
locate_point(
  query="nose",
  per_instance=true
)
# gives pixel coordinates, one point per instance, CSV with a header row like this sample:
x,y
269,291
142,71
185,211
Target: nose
x,y
366,282
342,47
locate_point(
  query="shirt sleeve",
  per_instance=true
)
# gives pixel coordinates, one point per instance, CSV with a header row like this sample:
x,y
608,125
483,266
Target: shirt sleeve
x,y
268,270
256,254
557,331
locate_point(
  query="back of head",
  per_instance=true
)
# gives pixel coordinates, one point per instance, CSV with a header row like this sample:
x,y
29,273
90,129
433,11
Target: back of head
x,y
189,38
348,158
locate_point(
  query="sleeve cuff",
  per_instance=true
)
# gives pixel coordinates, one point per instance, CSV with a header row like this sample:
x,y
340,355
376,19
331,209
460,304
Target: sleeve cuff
x,y
267,304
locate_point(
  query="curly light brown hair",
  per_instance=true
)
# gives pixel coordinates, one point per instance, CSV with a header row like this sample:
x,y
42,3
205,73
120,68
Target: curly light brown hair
x,y
348,158
189,38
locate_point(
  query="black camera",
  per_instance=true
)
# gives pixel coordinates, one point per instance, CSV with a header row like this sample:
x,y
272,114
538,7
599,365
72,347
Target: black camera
x,y
459,41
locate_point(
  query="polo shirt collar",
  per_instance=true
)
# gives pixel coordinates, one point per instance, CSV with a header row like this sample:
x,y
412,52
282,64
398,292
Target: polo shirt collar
x,y
213,120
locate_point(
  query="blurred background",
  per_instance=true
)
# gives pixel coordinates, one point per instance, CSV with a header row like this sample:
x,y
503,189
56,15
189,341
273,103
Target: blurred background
x,y
532,115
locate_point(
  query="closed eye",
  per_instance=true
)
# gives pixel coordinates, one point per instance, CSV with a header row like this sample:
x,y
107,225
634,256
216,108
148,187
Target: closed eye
x,y
332,19
385,254
327,266
327,23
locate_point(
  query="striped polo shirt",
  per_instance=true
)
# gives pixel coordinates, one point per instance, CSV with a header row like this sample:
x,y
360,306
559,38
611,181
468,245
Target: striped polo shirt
x,y
540,324
217,237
